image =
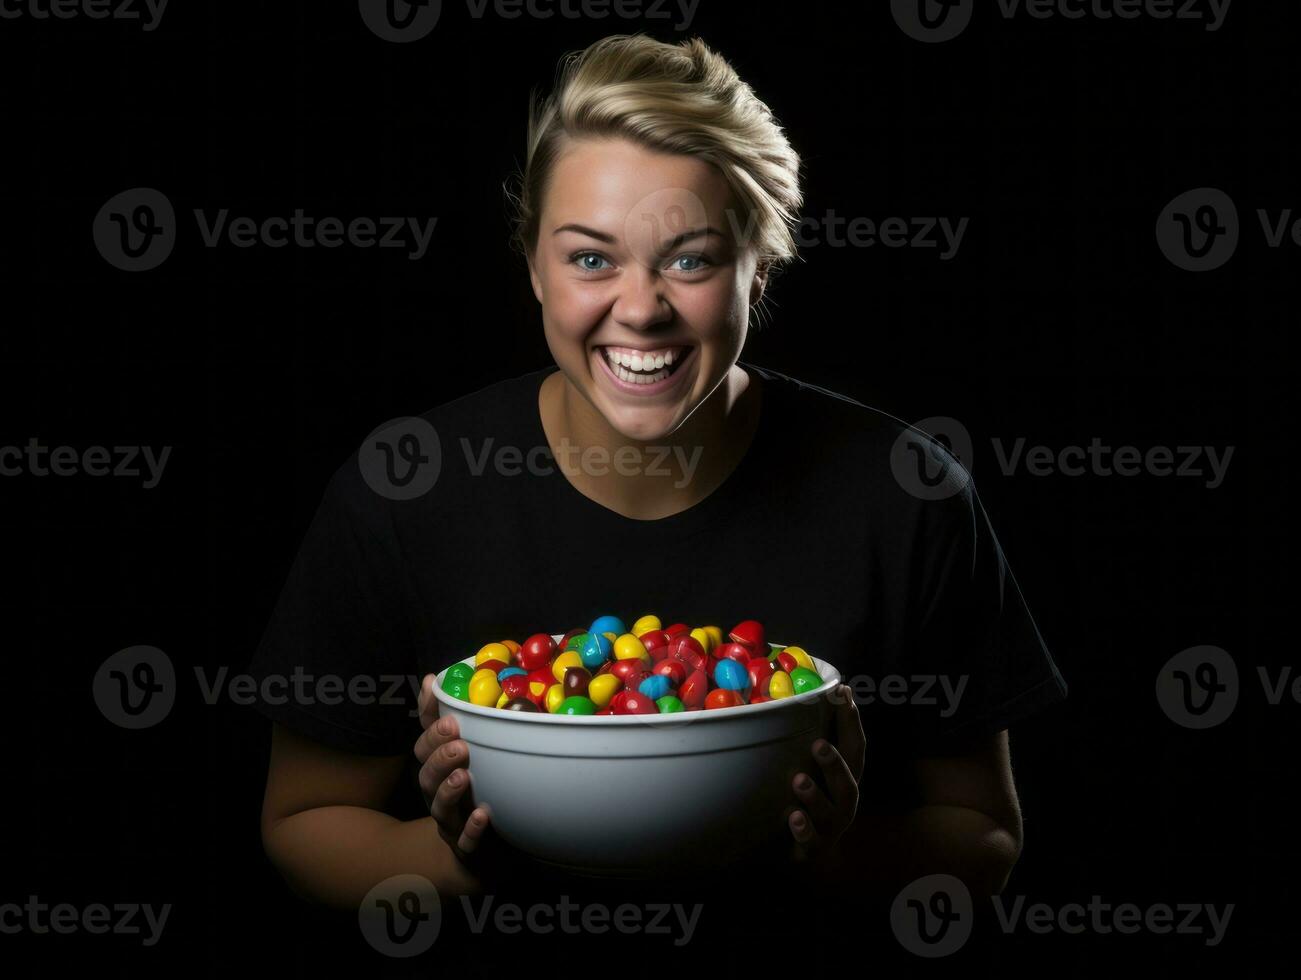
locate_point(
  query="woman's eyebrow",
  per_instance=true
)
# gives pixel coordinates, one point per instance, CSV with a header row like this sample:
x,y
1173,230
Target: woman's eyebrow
x,y
609,239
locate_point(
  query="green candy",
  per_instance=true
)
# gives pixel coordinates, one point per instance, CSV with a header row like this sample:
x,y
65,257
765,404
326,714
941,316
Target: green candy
x,y
460,672
457,688
576,704
772,653
576,641
803,679
669,704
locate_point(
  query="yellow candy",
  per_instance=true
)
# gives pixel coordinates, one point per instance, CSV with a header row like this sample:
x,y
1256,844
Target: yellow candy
x,y
493,651
511,645
537,688
646,624
602,688
555,694
501,701
704,639
801,658
628,647
569,658
780,685
484,689
610,636
716,635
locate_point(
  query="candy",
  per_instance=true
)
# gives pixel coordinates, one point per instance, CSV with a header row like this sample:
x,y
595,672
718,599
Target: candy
x,y
576,681
629,647
576,706
654,686
607,669
731,675
645,624
779,685
601,689
595,650
536,651
723,698
563,662
484,689
805,680
493,651
608,624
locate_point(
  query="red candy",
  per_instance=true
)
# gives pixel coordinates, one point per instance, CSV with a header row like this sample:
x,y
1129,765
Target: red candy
x,y
750,634
721,697
694,690
674,670
496,666
677,628
537,651
760,670
633,703
734,651
787,662
689,651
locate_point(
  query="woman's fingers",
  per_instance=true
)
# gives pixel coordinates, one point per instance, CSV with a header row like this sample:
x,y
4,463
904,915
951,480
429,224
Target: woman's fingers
x,y
803,831
850,739
820,810
450,755
436,735
474,829
446,808
842,787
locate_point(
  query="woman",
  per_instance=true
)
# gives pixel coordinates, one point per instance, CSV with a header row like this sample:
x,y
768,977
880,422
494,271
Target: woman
x,y
654,472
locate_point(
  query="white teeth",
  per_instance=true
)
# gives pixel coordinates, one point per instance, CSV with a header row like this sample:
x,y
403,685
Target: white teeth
x,y
658,361
668,357
631,367
636,362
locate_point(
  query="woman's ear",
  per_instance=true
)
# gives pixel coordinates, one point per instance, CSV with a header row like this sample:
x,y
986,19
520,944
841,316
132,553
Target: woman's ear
x,y
760,281
533,278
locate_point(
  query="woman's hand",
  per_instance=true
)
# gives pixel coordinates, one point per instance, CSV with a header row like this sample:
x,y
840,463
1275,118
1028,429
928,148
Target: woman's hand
x,y
825,816
444,779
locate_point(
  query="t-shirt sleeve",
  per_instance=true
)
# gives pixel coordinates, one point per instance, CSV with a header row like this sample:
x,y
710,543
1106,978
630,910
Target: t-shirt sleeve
x,y
336,659
973,637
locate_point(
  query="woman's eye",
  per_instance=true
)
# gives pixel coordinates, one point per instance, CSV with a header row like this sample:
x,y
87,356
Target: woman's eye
x,y
699,263
588,261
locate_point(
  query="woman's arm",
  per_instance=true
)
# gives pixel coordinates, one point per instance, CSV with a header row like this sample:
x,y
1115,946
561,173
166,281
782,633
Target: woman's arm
x,y
324,829
967,824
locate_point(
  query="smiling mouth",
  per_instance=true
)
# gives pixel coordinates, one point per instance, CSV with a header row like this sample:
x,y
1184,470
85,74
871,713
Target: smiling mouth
x,y
644,367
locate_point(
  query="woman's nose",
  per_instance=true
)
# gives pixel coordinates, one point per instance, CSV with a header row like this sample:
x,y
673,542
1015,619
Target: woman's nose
x,y
641,302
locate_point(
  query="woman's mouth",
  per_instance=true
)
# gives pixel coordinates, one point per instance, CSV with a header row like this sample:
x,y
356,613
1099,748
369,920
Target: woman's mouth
x,y
644,371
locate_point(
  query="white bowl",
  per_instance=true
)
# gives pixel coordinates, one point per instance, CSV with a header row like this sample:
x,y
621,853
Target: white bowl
x,y
632,795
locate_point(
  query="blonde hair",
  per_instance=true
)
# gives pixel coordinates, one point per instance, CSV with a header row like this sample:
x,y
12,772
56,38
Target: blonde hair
x,y
674,98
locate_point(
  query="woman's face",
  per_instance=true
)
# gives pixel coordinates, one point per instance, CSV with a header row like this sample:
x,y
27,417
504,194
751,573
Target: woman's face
x,y
645,285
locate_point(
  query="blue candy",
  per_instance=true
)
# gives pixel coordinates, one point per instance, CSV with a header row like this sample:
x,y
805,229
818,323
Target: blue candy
x,y
607,624
730,675
509,672
596,650
654,687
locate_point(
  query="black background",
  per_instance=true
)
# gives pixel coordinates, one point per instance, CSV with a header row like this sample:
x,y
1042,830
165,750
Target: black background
x,y
1058,321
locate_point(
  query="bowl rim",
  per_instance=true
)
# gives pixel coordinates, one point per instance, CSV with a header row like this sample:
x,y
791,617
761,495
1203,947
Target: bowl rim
x,y
831,677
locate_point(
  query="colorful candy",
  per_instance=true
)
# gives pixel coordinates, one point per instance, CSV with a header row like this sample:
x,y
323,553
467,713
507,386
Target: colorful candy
x,y
608,669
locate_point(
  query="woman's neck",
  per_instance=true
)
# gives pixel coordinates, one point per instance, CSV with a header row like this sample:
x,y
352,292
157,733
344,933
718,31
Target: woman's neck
x,y
650,480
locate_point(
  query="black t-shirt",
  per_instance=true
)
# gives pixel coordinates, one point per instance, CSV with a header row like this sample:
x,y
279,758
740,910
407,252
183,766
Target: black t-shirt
x,y
832,531
842,530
